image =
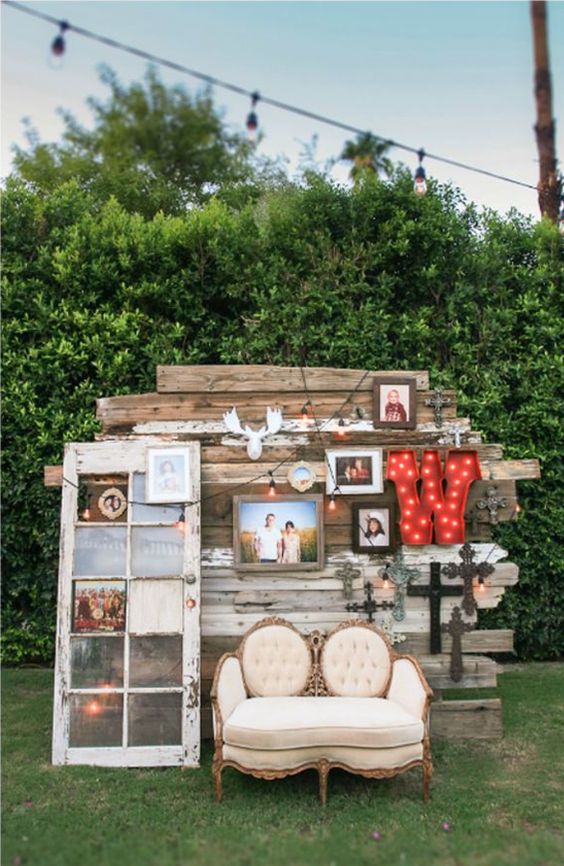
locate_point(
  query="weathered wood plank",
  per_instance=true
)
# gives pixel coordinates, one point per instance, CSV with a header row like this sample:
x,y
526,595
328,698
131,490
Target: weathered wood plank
x,y
53,476
512,469
257,377
467,720
251,407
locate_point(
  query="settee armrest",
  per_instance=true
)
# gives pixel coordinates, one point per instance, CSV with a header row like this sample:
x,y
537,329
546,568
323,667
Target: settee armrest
x,y
227,692
409,688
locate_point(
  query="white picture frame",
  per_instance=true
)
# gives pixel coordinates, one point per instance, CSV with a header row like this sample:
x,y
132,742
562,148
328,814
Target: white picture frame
x,y
167,475
354,471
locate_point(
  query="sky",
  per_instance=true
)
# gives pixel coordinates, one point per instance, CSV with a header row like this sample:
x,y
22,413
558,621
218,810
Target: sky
x,y
453,77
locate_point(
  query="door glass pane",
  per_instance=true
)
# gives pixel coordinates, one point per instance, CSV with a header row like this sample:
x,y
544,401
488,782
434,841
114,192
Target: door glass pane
x,y
155,662
96,662
96,720
150,513
156,551
100,550
155,720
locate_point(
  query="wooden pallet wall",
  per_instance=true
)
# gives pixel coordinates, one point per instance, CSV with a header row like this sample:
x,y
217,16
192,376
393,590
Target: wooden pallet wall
x,y
189,404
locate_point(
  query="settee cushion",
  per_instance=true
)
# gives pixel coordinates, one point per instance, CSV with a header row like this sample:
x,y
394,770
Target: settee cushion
x,y
276,661
355,759
356,662
299,722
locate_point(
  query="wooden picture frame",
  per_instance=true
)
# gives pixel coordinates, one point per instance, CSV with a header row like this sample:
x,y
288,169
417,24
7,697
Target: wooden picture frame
x,y
374,528
399,412
302,476
354,471
168,475
260,525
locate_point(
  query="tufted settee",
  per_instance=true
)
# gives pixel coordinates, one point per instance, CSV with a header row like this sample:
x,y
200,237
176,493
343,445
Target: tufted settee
x,y
283,703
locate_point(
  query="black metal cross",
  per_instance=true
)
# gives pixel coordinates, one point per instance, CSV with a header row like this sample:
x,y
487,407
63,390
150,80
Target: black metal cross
x,y
456,627
437,401
468,570
434,591
369,605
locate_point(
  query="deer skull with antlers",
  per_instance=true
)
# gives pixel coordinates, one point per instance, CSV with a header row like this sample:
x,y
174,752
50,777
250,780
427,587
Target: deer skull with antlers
x,y
255,437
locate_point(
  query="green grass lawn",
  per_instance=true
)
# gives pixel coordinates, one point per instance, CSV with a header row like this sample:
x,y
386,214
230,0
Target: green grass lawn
x,y
503,799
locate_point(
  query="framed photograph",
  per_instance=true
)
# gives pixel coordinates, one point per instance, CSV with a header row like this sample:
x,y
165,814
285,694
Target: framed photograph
x,y
374,526
112,503
168,477
302,476
394,403
354,470
98,605
281,533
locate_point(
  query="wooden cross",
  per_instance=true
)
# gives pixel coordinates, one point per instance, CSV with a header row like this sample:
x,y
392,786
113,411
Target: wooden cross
x,y
456,628
347,574
434,591
369,605
437,401
468,570
401,576
492,502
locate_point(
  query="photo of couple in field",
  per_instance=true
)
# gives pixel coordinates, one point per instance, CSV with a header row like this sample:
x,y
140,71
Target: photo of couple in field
x,y
279,533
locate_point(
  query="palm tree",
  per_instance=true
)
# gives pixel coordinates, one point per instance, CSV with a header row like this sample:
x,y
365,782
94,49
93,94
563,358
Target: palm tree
x,y
367,153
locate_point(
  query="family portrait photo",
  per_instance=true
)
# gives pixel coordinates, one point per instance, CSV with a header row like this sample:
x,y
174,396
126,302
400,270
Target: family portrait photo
x,y
284,533
373,527
354,470
167,475
394,403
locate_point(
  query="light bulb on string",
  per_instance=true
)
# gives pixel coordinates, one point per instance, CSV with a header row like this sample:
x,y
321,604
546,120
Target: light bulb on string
x,y
332,500
271,485
252,118
341,426
305,411
420,179
58,47
180,523
87,513
561,219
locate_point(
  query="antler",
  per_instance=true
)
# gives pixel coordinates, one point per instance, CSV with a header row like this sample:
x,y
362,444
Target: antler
x,y
273,421
231,421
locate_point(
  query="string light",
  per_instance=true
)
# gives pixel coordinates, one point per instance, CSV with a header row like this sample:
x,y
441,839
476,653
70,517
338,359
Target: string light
x,y
58,44
87,514
561,219
420,185
271,484
340,426
305,411
235,88
181,522
332,500
252,118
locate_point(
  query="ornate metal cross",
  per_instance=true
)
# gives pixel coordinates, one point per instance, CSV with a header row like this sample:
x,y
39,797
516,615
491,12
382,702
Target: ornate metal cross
x,y
399,573
491,501
347,574
437,401
456,628
468,570
434,591
369,605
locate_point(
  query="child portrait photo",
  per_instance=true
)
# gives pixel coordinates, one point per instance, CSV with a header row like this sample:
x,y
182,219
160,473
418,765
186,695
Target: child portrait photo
x,y
394,403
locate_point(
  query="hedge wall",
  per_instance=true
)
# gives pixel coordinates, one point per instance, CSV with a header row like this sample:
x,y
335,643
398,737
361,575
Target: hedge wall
x,y
95,298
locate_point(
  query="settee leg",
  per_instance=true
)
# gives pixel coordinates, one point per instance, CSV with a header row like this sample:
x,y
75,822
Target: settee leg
x,y
217,779
323,776
427,773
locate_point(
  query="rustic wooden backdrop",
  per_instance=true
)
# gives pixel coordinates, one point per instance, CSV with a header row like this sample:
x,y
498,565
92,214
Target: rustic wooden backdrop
x,y
189,404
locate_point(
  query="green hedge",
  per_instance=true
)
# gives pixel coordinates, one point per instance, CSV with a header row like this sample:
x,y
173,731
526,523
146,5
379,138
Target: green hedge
x,y
95,298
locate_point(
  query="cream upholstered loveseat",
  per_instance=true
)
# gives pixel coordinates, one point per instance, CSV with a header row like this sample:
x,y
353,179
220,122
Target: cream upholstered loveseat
x,y
283,703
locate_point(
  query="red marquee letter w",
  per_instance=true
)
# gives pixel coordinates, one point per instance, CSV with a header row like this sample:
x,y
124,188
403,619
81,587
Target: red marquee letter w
x,y
437,506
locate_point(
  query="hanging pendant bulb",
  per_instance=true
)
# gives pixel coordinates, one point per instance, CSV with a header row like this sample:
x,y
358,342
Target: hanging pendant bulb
x,y
305,411
420,184
58,46
332,502
271,485
252,118
87,514
181,522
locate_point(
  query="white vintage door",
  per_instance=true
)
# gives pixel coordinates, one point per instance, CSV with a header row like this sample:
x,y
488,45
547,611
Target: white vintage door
x,y
127,675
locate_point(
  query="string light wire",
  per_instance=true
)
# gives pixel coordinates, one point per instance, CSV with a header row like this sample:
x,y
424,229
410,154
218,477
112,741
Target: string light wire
x,y
242,91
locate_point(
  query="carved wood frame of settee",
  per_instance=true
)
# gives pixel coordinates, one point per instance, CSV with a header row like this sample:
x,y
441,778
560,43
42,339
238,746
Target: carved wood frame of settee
x,y
316,686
